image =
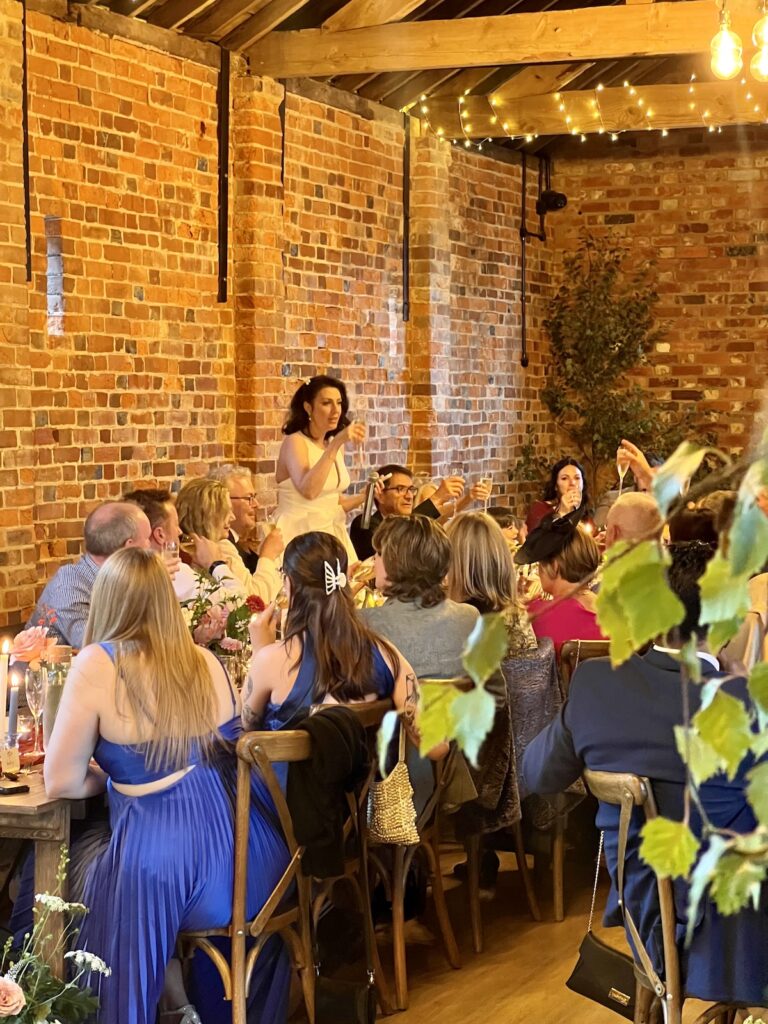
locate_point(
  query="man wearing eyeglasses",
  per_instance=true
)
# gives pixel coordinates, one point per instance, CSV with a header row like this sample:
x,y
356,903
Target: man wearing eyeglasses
x,y
239,483
395,497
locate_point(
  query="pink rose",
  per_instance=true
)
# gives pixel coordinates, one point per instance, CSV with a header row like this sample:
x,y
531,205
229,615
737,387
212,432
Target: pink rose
x,y
211,626
12,999
228,643
32,645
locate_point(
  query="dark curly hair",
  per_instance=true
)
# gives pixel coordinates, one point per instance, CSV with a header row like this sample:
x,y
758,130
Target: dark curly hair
x,y
298,417
550,491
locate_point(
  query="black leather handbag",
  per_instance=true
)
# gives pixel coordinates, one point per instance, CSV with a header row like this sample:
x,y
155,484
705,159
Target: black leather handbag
x,y
604,974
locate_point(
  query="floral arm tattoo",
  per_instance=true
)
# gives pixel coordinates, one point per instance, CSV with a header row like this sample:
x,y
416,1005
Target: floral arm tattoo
x,y
250,719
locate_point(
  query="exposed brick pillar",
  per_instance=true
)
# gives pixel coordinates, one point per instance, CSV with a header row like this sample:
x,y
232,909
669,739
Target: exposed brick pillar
x,y
17,551
259,288
428,335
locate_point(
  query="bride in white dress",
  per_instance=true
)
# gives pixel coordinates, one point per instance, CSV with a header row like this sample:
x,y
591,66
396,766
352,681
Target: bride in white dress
x,y
311,474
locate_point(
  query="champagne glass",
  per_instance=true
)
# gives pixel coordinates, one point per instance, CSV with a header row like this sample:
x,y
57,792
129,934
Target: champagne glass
x,y
170,551
35,680
487,481
622,465
455,470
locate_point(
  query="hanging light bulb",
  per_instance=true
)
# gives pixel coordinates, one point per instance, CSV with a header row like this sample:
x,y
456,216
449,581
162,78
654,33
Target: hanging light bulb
x,y
758,66
726,50
760,29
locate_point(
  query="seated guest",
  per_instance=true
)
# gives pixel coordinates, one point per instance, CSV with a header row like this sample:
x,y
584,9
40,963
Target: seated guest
x,y
514,529
158,716
205,509
395,497
328,653
634,516
567,555
413,556
163,518
566,490
623,720
239,482
482,574
111,526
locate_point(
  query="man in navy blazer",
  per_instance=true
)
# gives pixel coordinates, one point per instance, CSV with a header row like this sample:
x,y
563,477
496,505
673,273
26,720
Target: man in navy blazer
x,y
622,720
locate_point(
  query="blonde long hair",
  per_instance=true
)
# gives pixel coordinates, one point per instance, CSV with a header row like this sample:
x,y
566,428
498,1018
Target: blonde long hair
x,y
481,569
162,678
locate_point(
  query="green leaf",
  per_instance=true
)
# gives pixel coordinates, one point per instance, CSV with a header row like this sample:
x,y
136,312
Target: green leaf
x,y
757,792
758,691
635,604
669,847
389,723
748,536
486,647
760,744
690,660
473,715
702,760
435,720
676,472
724,725
724,601
700,879
736,882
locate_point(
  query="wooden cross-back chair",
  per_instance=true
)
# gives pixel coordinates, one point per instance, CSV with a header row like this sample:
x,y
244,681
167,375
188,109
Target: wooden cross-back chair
x,y
573,652
652,993
286,912
393,869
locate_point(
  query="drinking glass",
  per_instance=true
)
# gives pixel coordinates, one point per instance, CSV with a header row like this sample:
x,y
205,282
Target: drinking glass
x,y
487,481
35,680
455,469
170,550
622,465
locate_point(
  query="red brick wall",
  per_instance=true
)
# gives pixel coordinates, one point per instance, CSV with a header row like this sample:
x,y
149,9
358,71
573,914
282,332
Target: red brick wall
x,y
696,203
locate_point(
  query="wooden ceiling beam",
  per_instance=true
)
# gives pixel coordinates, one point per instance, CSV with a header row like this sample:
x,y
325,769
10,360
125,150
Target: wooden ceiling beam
x,y
361,13
131,8
174,13
222,17
588,34
539,80
660,106
261,24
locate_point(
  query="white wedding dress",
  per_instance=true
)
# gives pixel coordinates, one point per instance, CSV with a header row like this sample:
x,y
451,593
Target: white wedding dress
x,y
297,514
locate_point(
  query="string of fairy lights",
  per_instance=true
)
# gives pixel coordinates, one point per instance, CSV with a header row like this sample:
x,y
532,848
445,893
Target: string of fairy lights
x,y
573,118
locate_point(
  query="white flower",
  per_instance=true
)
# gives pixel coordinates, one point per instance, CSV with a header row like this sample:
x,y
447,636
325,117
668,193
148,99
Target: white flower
x,y
53,903
88,961
188,616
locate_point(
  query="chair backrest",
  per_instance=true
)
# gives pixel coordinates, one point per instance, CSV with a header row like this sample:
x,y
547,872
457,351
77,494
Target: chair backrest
x,y
628,791
463,683
573,652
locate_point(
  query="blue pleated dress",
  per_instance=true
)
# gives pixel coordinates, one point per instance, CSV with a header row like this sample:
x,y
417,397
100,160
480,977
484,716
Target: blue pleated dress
x,y
169,867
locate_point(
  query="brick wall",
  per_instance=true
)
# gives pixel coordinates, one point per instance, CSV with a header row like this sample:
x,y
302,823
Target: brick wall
x,y
697,204
120,367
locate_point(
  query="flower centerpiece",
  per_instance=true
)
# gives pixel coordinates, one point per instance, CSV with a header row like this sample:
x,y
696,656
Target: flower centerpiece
x,y
217,618
30,993
33,645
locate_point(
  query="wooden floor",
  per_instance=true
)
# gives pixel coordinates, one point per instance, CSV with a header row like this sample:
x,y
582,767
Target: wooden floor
x,y
520,977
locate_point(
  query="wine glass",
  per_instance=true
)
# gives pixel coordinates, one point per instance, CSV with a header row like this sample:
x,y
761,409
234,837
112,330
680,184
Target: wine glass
x,y
455,470
487,481
170,551
622,465
35,680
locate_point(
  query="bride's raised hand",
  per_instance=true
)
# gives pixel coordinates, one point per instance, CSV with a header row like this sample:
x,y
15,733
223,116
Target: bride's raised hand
x,y
354,434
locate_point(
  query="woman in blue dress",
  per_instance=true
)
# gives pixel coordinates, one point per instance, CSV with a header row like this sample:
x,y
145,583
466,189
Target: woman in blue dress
x,y
158,717
328,654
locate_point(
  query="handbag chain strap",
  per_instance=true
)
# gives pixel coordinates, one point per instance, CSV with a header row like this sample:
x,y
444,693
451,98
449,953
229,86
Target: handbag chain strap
x,y
594,887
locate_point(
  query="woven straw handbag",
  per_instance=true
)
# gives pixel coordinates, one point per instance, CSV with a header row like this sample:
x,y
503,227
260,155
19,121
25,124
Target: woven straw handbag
x,y
391,813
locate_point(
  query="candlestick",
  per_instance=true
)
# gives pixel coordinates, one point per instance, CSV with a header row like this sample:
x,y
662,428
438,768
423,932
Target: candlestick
x,y
4,685
13,707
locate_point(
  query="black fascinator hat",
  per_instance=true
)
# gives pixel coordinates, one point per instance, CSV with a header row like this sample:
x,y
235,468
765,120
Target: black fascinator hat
x,y
549,538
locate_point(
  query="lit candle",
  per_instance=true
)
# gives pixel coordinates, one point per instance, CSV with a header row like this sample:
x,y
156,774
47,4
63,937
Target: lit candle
x,y
13,707
3,687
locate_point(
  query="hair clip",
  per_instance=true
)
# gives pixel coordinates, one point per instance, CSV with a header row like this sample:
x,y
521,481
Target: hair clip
x,y
334,580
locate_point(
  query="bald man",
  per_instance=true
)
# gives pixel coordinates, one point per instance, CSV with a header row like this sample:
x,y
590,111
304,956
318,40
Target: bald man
x,y
66,600
633,516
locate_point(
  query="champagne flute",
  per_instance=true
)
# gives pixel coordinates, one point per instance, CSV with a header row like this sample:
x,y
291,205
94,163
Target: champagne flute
x,y
622,465
35,680
170,551
487,481
455,470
